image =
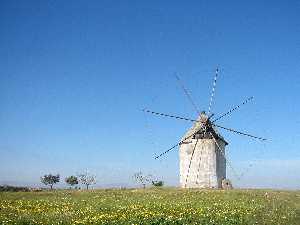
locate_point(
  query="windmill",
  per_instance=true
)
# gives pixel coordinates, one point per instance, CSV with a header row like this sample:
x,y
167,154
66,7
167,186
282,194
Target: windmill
x,y
202,149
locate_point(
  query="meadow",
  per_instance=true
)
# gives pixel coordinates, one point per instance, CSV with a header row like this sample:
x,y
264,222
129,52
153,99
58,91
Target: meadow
x,y
151,206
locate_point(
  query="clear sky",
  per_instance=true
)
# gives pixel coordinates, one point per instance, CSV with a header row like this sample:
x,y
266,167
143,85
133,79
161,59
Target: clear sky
x,y
74,76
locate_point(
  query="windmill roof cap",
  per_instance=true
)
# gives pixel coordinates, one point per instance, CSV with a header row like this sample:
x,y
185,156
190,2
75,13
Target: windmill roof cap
x,y
202,119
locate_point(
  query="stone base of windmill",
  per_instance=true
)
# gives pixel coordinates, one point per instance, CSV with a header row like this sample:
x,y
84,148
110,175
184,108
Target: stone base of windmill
x,y
202,165
226,184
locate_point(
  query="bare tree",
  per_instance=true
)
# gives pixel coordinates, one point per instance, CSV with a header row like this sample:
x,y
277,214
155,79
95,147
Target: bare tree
x,y
139,177
87,179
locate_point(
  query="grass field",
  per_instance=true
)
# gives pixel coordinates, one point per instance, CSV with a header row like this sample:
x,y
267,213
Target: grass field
x,y
151,206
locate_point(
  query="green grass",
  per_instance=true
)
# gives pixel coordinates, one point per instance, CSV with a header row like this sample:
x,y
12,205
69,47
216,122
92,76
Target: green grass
x,y
151,206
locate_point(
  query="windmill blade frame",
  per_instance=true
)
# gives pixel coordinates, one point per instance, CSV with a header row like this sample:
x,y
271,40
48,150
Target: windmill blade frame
x,y
239,132
229,163
168,115
189,168
213,91
174,146
186,92
198,170
233,109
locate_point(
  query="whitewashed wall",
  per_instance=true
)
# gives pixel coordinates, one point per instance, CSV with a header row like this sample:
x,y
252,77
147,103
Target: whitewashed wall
x,y
208,165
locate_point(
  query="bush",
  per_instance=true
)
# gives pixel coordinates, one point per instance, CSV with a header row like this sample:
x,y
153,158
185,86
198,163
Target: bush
x,y
158,183
13,188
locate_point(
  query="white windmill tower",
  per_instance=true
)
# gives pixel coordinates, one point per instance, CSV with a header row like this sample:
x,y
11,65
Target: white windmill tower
x,y
202,156
202,149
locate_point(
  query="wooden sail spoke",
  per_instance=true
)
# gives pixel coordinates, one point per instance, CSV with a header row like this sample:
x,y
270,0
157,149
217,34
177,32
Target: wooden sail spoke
x,y
224,155
174,146
239,132
233,109
187,93
168,115
213,91
190,163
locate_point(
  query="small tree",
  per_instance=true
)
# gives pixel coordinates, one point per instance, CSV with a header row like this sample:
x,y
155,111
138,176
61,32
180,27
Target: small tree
x,y
50,180
87,179
139,177
71,180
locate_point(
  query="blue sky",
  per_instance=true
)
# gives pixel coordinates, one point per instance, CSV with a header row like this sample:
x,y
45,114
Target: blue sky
x,y
75,75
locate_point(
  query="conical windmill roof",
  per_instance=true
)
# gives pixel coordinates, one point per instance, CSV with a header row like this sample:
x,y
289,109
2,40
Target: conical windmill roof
x,y
197,128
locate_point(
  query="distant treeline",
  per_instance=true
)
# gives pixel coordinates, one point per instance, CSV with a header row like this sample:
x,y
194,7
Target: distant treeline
x,y
13,188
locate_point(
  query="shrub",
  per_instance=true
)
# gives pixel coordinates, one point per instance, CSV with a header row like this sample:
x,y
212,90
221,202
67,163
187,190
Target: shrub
x,y
158,183
13,188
